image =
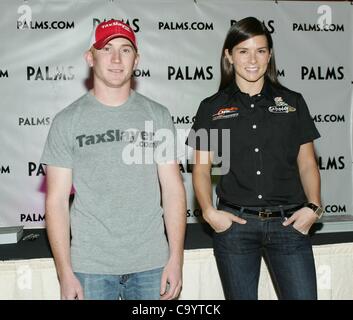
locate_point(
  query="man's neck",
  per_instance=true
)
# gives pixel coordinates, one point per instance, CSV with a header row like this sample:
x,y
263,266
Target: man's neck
x,y
113,97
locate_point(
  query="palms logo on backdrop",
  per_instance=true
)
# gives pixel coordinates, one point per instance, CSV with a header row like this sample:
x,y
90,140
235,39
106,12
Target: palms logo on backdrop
x,y
4,73
331,163
142,73
322,73
269,24
4,169
190,72
50,73
31,217
26,16
34,121
329,118
35,169
25,21
323,23
183,119
281,73
335,208
185,25
194,213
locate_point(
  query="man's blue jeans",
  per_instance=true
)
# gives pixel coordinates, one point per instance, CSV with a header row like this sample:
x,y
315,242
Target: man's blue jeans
x,y
287,252
134,286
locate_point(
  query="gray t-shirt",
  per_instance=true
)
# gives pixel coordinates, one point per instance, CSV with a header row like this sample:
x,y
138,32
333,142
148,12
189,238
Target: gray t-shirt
x,y
116,218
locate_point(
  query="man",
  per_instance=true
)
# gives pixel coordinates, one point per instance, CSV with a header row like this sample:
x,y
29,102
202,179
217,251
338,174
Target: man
x,y
102,145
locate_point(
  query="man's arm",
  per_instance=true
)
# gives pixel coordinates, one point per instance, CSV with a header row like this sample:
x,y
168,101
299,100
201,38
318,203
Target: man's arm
x,y
310,179
174,206
59,182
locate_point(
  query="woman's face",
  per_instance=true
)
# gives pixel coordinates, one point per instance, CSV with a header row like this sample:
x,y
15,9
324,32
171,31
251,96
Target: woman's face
x,y
250,59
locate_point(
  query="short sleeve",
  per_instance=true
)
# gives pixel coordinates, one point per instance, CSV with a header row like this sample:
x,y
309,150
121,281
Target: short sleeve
x,y
58,148
199,134
308,130
166,139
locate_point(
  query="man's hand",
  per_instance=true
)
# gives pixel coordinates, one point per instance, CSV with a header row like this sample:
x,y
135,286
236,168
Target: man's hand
x,y
71,288
171,281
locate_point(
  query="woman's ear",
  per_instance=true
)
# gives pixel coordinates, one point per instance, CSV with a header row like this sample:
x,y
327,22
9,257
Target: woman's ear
x,y
228,56
270,55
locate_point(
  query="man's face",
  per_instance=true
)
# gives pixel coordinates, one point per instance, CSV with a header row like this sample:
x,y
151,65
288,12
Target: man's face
x,y
113,65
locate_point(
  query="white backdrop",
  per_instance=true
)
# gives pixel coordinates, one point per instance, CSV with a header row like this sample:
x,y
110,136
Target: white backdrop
x,y
42,70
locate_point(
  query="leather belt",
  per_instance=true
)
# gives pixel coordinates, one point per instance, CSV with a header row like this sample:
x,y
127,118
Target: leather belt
x,y
262,212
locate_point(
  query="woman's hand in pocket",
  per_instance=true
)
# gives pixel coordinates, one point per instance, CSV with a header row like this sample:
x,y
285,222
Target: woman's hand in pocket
x,y
221,220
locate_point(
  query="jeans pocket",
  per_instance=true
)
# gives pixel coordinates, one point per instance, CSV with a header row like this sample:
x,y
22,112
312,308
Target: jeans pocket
x,y
297,231
226,230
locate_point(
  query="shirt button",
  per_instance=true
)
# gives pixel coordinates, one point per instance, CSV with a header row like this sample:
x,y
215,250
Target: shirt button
x,y
259,196
258,172
259,95
252,105
256,149
254,126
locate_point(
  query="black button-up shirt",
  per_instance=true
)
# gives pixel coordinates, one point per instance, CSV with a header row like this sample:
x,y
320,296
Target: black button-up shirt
x,y
266,131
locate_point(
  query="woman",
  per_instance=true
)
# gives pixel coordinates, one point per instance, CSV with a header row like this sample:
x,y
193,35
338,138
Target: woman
x,y
270,196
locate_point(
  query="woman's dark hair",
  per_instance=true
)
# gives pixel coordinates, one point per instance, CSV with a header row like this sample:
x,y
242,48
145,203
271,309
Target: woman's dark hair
x,y
243,30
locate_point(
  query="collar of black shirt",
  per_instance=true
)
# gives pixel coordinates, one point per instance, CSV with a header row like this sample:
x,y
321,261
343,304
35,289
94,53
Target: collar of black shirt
x,y
267,90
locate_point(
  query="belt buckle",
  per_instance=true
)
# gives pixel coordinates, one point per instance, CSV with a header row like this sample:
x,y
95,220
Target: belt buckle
x,y
265,213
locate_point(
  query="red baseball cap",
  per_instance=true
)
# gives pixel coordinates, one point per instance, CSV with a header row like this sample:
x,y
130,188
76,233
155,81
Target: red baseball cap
x,y
108,30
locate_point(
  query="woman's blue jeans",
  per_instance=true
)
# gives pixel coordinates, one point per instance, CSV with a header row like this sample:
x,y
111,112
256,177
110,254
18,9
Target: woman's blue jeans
x,y
287,252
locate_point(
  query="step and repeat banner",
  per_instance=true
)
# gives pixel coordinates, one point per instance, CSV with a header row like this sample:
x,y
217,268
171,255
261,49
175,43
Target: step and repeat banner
x,y
42,70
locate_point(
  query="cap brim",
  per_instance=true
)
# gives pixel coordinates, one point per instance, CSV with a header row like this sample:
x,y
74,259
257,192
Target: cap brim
x,y
100,44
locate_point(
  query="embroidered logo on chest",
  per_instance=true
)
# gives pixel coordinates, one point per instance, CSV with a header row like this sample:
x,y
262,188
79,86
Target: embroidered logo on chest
x,y
225,113
281,106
